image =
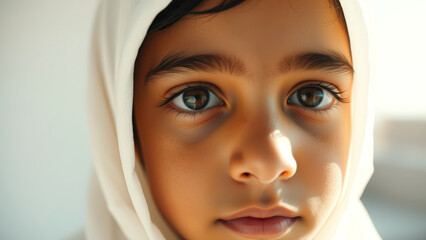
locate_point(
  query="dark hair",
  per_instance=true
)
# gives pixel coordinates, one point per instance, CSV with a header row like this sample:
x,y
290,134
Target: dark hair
x,y
177,9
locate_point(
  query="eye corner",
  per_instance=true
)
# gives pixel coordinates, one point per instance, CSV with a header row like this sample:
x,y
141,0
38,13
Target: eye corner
x,y
288,100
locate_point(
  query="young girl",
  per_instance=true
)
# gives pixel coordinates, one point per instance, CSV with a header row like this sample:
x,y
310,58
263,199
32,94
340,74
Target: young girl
x,y
230,120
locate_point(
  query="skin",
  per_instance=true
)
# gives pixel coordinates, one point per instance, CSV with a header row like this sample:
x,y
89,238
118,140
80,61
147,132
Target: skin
x,y
255,149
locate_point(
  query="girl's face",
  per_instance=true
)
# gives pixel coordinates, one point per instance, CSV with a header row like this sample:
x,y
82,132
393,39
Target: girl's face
x,y
243,119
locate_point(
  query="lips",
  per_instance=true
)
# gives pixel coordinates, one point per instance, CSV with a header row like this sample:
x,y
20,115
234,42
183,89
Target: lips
x,y
258,223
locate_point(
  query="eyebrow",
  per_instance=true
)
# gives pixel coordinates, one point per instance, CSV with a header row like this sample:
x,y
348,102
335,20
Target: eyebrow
x,y
330,61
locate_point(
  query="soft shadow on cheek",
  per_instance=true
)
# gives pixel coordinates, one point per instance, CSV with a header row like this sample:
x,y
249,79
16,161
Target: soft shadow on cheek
x,y
328,188
193,134
183,177
322,125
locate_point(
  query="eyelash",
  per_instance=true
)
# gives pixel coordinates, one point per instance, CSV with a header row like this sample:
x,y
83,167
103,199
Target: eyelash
x,y
328,87
164,104
210,87
176,93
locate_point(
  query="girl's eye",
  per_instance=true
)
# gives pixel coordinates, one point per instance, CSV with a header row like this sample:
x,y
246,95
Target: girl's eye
x,y
312,97
196,99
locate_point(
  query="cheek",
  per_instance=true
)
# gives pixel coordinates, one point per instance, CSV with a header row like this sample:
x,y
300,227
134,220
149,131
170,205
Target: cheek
x,y
325,188
182,180
321,170
182,173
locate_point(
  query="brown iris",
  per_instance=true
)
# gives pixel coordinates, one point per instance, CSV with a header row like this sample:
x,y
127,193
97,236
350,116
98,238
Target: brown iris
x,y
310,96
196,98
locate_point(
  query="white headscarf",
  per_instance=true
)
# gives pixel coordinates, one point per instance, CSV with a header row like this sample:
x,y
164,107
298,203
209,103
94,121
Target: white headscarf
x,y
120,204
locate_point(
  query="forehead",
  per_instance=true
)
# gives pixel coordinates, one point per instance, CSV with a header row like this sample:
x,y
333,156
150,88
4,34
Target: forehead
x,y
258,32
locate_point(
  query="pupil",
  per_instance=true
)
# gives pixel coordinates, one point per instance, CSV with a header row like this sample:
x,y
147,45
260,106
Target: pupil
x,y
310,96
196,99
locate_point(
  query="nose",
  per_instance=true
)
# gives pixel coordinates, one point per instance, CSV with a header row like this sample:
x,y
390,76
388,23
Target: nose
x,y
263,160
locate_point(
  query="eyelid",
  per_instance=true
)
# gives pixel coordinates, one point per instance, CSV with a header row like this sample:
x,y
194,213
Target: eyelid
x,y
331,88
177,90
327,97
212,100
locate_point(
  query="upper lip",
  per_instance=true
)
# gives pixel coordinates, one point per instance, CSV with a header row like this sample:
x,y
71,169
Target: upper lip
x,y
258,212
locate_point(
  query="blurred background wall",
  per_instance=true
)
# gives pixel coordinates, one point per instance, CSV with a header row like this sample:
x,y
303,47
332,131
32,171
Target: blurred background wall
x,y
44,148
396,194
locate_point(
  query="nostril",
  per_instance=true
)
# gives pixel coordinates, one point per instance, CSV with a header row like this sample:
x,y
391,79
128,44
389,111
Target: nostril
x,y
245,174
285,174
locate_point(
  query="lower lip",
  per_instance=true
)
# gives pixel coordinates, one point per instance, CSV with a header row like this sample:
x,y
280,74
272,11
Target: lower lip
x,y
260,227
